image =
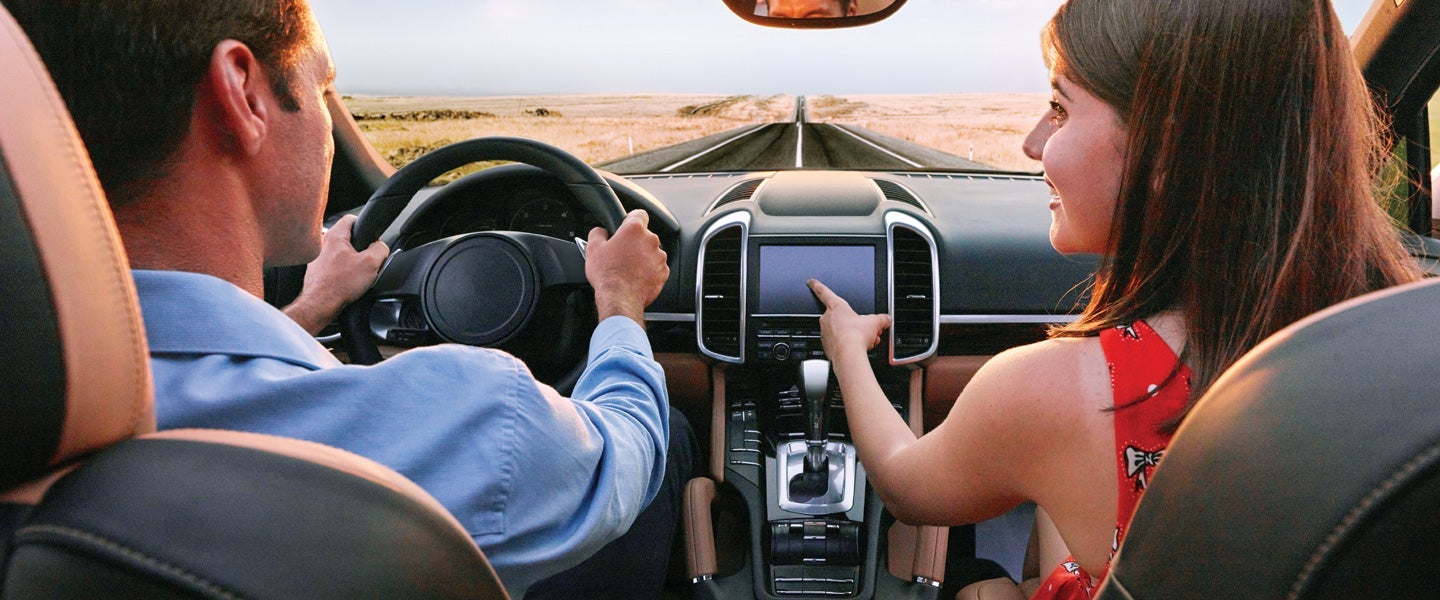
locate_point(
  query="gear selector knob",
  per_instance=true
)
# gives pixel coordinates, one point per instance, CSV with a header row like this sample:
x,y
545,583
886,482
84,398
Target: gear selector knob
x,y
815,386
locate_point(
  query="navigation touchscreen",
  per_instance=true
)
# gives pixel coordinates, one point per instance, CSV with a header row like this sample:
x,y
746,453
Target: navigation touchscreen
x,y
848,270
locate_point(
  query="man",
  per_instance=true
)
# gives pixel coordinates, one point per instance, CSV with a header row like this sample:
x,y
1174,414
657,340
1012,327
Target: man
x,y
812,9
207,126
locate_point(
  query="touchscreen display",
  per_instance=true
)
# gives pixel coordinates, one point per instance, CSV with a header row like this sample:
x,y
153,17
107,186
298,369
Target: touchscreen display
x,y
848,270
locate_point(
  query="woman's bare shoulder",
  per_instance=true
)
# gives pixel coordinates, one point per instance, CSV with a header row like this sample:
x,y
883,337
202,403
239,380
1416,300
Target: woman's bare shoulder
x,y
1056,373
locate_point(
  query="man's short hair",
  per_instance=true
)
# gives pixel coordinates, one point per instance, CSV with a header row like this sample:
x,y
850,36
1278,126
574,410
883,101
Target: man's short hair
x,y
128,69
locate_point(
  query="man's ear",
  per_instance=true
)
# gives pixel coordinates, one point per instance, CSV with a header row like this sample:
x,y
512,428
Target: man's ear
x,y
236,89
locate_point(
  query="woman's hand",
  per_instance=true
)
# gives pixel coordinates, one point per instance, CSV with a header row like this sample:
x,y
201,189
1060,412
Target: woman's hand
x,y
841,330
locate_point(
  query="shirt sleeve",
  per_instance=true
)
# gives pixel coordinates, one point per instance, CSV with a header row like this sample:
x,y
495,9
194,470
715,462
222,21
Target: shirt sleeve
x,y
588,464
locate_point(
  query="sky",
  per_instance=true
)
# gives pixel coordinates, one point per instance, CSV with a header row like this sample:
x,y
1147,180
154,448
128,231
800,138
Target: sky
x,y
525,47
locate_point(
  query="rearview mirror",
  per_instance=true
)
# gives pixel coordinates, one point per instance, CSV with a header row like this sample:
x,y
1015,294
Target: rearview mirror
x,y
813,13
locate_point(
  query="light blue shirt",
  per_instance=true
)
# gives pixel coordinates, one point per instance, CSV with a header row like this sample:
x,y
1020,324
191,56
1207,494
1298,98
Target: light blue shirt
x,y
540,481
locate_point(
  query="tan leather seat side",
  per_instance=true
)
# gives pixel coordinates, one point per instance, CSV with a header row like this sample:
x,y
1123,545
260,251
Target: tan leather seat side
x,y
105,354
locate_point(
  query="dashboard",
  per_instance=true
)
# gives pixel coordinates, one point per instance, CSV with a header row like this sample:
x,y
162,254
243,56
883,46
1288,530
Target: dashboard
x,y
541,206
961,261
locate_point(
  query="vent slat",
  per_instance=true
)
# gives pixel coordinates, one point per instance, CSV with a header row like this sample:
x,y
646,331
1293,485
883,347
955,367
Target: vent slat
x,y
720,292
741,192
913,286
898,193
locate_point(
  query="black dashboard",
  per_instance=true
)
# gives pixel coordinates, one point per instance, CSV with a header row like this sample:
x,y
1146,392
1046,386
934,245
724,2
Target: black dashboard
x,y
936,250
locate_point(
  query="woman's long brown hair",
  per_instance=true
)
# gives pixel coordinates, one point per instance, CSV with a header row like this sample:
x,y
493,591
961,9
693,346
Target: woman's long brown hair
x,y
1248,199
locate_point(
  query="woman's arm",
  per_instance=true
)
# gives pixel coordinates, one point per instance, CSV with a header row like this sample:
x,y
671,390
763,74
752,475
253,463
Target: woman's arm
x,y
1006,439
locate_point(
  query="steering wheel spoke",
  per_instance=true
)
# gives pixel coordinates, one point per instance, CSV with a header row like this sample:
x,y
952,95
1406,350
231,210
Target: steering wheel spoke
x,y
510,290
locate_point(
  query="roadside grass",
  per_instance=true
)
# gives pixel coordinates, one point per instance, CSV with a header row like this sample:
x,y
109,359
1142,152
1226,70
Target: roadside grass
x,y
595,128
986,128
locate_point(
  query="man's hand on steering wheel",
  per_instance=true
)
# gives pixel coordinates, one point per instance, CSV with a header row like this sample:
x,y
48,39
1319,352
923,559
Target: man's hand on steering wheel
x,y
627,270
339,276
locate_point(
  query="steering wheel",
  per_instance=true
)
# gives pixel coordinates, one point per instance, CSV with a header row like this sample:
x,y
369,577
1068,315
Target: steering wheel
x,y
481,289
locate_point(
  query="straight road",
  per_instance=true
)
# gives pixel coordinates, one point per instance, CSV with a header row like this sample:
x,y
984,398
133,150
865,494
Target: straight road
x,y
797,144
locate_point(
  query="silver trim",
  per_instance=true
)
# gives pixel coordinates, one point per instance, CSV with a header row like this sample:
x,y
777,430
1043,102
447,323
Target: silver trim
x,y
894,219
702,578
741,219
661,317
384,316
326,340
790,459
926,581
1006,319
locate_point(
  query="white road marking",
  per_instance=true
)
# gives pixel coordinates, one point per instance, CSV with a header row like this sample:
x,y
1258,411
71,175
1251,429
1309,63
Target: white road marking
x,y
872,145
799,130
799,143
713,148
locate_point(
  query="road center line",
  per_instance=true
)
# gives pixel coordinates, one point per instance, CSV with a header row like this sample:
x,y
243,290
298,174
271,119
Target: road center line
x,y
714,148
799,130
799,143
873,145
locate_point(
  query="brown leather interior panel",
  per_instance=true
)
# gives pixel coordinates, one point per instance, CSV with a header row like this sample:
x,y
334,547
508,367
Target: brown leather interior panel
x,y
930,552
901,539
699,529
687,380
717,423
945,377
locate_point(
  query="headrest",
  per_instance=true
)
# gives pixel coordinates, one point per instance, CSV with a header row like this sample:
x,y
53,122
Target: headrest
x,y
1311,469
75,374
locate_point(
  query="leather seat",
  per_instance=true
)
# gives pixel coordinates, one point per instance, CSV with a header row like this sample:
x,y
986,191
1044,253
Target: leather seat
x,y
1311,469
93,502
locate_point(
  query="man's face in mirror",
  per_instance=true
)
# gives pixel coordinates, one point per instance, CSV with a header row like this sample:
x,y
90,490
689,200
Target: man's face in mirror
x,y
811,9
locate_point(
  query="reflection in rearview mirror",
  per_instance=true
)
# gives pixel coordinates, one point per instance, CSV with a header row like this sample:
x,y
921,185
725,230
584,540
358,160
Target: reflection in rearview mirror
x,y
813,13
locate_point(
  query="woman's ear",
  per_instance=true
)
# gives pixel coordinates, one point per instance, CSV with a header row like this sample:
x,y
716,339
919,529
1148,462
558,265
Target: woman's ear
x,y
236,95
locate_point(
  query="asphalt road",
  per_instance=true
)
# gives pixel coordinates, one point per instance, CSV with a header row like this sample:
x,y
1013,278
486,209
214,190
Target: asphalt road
x,y
797,144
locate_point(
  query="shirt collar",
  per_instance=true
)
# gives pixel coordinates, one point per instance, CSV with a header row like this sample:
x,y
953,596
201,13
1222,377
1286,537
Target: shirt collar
x,y
191,313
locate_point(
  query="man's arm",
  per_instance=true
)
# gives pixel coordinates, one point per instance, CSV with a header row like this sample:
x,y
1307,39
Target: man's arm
x,y
591,463
337,277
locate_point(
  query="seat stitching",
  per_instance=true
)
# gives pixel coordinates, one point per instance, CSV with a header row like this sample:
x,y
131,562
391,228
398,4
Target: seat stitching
x,y
129,553
1342,530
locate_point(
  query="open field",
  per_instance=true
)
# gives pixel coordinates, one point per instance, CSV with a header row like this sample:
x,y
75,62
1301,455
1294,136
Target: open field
x,y
986,128
600,128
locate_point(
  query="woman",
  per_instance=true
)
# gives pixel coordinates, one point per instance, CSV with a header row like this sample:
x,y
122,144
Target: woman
x,y
1221,156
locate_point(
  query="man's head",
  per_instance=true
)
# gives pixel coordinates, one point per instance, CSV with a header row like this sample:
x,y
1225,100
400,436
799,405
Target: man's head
x,y
128,69
809,9
166,91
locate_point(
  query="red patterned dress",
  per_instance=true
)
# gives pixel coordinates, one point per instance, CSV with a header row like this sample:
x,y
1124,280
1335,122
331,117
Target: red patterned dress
x,y
1140,364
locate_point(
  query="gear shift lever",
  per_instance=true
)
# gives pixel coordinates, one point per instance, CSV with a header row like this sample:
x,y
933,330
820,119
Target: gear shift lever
x,y
814,480
814,383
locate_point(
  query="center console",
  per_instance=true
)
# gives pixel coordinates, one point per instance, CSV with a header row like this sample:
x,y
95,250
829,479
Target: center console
x,y
781,444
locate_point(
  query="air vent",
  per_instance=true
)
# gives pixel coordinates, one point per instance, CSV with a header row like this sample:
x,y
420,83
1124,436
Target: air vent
x,y
899,193
738,193
914,279
720,297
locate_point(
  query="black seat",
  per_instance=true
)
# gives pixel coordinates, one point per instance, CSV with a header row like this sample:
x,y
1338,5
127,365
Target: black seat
x,y
1311,469
93,502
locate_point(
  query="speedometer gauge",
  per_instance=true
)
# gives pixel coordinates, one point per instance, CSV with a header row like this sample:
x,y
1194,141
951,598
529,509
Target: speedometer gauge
x,y
546,216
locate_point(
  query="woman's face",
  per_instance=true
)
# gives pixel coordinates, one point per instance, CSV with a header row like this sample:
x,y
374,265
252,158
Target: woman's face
x,y
1081,143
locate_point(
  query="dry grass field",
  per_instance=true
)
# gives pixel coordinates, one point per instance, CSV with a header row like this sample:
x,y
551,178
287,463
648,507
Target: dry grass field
x,y
600,128
985,128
